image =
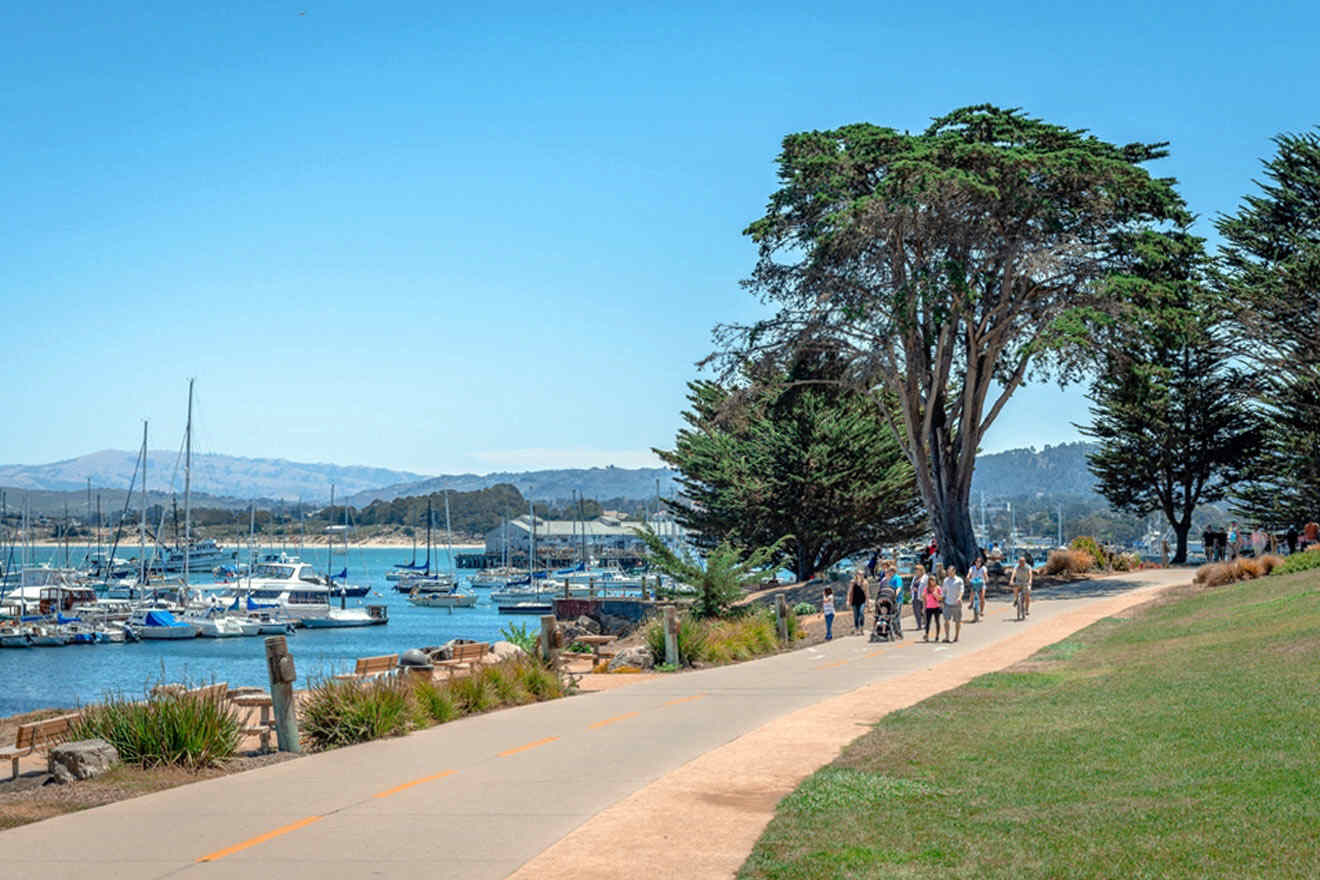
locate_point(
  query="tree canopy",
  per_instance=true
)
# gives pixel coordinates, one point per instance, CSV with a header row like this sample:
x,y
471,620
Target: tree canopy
x,y
1271,260
935,266
796,454
1171,413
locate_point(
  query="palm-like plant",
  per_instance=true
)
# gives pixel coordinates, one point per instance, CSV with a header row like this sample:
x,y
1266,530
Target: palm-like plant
x,y
720,577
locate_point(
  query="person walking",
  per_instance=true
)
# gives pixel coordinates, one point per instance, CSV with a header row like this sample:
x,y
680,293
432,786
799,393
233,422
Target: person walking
x,y
1291,539
1020,581
953,596
857,601
976,578
1258,542
827,606
932,598
919,579
1310,534
895,583
1208,543
1234,540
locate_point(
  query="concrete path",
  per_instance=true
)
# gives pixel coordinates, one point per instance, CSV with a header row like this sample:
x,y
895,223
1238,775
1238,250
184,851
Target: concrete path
x,y
479,798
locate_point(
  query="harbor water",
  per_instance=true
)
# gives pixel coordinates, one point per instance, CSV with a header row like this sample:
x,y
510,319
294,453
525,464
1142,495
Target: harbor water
x,y
36,678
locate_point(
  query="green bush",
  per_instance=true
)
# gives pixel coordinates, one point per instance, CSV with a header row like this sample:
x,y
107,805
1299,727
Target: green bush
x,y
473,694
180,730
692,636
541,683
804,608
1090,545
505,684
436,702
341,713
521,635
1301,561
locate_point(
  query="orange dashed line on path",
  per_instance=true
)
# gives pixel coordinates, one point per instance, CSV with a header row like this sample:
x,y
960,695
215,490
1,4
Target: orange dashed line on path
x,y
530,745
833,665
617,718
407,785
677,700
261,838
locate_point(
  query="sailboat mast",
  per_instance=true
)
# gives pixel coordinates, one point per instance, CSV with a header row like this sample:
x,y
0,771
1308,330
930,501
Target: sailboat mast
x,y
330,541
449,532
531,542
429,517
142,524
187,486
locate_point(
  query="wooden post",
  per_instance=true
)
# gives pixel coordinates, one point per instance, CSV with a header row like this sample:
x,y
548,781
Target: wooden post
x,y
549,630
279,663
781,616
671,635
643,588
591,588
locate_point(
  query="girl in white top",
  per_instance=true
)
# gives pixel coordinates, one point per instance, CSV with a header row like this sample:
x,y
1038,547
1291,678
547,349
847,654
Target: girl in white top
x,y
827,606
976,579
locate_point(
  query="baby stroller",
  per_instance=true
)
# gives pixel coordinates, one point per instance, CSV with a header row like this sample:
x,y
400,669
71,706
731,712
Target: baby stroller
x,y
886,616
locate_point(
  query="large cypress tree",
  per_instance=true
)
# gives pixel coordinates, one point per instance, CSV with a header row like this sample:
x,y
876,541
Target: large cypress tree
x,y
1170,412
936,265
794,454
1272,261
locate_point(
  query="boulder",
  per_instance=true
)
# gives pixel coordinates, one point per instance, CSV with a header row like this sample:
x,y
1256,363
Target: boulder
x,y
637,657
588,625
81,760
615,626
506,651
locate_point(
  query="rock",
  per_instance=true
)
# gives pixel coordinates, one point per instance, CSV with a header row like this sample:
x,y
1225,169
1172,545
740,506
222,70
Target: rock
x,y
506,651
445,651
615,626
81,760
587,625
637,657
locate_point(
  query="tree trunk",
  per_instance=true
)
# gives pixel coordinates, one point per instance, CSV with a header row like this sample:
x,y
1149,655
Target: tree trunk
x,y
1180,531
955,535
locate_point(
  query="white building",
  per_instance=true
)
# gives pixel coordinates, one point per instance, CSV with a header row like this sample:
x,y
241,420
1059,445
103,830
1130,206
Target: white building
x,y
601,534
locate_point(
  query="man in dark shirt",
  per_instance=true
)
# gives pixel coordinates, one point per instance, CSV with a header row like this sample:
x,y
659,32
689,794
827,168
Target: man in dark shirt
x,y
1291,539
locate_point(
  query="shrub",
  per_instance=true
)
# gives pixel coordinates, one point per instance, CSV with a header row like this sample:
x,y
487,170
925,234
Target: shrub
x,y
1270,562
1089,545
578,648
180,730
804,608
505,684
1127,562
541,683
1247,569
1296,562
1069,562
521,635
692,635
341,713
472,694
436,702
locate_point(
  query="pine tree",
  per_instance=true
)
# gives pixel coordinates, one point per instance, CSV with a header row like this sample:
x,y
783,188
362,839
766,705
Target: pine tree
x,y
1171,414
1272,260
796,455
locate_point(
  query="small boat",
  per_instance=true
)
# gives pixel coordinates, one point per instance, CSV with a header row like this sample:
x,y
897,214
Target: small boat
x,y
219,626
527,608
442,599
161,624
15,637
49,637
332,618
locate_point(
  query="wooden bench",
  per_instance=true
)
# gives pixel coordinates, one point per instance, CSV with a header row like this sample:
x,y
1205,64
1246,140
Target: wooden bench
x,y
596,643
210,692
369,667
37,735
465,656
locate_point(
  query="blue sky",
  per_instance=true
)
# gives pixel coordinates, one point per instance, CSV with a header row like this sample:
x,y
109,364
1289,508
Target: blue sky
x,y
497,236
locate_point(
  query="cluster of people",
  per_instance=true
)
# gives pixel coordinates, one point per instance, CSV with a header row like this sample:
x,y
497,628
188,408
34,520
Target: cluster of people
x,y
1232,542
936,596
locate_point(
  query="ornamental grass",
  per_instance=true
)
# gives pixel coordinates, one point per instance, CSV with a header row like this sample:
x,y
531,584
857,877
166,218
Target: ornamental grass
x,y
188,730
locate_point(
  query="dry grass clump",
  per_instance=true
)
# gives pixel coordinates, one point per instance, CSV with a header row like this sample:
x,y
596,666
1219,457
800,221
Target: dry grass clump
x,y
1069,562
1220,574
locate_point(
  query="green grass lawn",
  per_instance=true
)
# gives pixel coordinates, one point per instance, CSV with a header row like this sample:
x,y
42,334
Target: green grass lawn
x,y
1181,741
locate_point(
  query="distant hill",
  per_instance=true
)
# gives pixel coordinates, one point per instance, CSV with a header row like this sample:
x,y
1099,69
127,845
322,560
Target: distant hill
x,y
212,474
1054,470
602,483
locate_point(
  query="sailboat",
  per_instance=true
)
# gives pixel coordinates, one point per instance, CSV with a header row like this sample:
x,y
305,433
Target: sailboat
x,y
445,593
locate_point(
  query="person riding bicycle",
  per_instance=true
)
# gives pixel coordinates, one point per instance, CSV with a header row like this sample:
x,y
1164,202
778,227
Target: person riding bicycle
x,y
976,579
1021,580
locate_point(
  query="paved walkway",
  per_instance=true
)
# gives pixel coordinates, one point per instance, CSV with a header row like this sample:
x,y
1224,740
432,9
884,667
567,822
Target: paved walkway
x,y
479,798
